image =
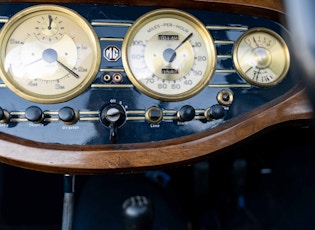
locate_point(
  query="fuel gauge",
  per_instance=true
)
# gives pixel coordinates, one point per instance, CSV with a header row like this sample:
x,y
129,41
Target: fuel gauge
x,y
261,57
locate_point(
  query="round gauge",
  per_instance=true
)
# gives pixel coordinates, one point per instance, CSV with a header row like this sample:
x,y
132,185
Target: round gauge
x,y
168,55
49,54
261,57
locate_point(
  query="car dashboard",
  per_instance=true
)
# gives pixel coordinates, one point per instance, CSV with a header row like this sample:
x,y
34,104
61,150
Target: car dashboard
x,y
106,87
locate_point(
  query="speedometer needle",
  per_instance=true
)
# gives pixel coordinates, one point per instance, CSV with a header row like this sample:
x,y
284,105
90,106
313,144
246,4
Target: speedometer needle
x,y
69,70
174,51
185,40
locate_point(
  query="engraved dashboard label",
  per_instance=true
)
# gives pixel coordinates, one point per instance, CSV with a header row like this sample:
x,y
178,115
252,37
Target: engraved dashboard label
x,y
66,127
36,125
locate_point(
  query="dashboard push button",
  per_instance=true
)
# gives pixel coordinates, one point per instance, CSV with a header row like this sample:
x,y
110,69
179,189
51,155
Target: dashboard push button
x,y
215,112
186,113
68,115
34,114
154,115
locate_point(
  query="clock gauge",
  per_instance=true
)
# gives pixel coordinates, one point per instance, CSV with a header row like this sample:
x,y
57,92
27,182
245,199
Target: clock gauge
x,y
49,54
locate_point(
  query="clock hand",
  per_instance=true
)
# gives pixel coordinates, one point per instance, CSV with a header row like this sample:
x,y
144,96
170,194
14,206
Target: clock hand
x,y
50,21
31,63
68,69
50,55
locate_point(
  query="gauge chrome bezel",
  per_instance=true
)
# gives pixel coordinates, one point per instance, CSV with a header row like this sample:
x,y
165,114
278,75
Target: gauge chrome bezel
x,y
284,56
186,18
22,16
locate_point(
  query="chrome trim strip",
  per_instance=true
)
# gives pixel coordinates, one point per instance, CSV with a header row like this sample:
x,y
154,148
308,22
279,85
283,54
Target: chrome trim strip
x,y
123,24
229,85
111,39
224,42
108,86
243,28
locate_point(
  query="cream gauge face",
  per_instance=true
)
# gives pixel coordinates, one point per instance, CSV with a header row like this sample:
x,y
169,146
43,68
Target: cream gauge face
x,y
49,54
169,55
261,57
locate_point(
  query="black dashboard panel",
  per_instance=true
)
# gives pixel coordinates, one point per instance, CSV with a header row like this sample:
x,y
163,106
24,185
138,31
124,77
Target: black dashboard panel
x,y
138,111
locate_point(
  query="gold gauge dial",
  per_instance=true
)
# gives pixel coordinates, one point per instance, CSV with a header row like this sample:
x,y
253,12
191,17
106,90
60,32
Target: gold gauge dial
x,y
49,54
261,57
169,55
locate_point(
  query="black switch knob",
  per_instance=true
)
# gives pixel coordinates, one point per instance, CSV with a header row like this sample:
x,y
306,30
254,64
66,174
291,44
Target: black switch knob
x,y
186,113
113,116
113,113
137,213
34,114
215,112
68,115
4,115
1,114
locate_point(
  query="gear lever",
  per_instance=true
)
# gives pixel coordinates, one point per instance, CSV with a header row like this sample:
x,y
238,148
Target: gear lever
x,y
137,213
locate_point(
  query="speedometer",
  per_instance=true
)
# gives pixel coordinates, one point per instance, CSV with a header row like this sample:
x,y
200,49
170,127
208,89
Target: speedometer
x,y
169,55
49,54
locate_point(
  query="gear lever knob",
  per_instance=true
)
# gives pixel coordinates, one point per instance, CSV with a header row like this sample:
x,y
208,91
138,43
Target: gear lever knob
x,y
137,212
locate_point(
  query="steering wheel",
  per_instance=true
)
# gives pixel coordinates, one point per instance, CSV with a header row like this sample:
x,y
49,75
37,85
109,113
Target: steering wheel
x,y
301,21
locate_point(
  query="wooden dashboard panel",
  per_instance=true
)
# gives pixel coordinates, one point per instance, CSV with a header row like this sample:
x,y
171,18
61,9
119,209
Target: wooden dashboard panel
x,y
290,106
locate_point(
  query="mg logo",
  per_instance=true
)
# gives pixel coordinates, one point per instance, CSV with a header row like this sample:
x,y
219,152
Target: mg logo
x,y
111,53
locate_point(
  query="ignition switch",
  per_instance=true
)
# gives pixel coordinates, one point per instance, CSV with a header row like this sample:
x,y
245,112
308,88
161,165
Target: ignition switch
x,y
113,116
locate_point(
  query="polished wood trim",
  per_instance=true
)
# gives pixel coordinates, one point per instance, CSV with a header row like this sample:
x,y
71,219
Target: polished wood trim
x,y
272,4
293,106
262,8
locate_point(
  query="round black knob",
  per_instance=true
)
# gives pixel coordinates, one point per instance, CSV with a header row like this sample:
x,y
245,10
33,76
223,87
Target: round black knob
x,y
186,113
34,114
1,114
215,112
68,115
137,213
4,115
